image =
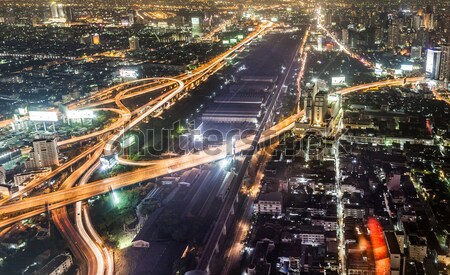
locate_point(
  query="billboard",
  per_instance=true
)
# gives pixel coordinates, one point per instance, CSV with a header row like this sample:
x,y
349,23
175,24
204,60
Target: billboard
x,y
398,72
338,80
77,114
128,73
406,67
226,42
233,40
195,20
43,116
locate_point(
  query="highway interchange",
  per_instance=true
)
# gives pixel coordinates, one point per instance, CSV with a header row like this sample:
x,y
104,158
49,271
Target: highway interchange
x,y
74,189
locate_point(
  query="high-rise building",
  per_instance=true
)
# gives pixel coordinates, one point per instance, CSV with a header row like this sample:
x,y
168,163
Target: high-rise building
x,y
444,70
319,44
417,22
345,36
428,21
320,108
134,43
54,9
196,27
433,63
44,154
422,38
396,256
69,14
57,10
379,36
131,17
308,104
416,52
393,36
2,175
61,12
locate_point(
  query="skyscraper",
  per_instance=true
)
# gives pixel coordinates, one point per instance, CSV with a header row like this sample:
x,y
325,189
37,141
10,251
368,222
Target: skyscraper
x,y
416,52
393,36
57,10
428,21
131,17
319,43
134,43
320,107
61,12
196,27
345,37
444,70
308,104
54,9
2,175
433,63
44,154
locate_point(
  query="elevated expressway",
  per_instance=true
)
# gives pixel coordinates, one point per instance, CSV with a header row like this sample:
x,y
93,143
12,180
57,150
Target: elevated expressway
x,y
69,194
128,90
152,169
89,246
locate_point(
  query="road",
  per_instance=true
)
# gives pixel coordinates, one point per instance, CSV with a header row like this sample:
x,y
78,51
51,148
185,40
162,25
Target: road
x,y
156,168
342,46
233,253
77,238
86,230
160,168
384,83
232,256
209,248
83,246
200,72
37,181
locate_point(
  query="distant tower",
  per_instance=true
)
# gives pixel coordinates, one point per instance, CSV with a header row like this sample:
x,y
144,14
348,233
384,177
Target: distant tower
x,y
134,43
69,14
320,108
428,21
444,71
54,9
416,52
433,63
131,17
320,44
2,175
345,37
308,104
393,36
196,27
61,12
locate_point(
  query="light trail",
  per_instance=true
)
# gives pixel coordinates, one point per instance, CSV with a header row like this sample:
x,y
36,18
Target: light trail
x,y
161,167
342,46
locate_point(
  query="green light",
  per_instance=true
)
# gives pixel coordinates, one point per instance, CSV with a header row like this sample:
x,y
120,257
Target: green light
x,y
115,198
